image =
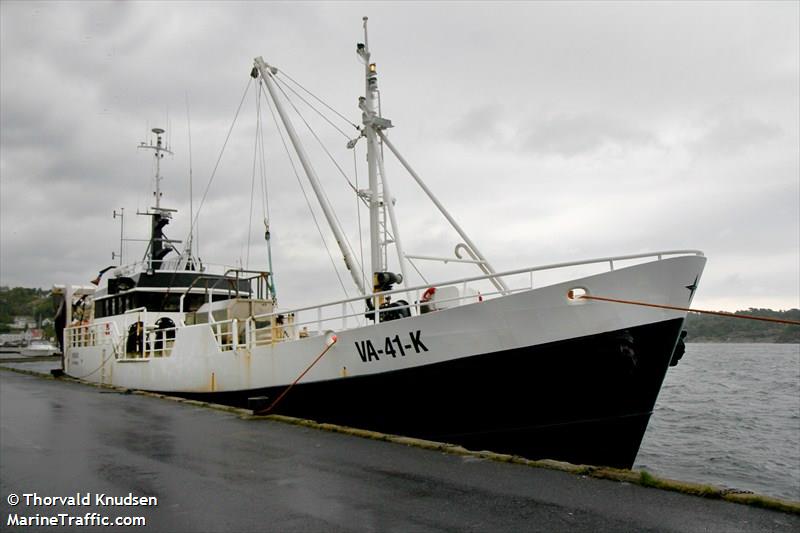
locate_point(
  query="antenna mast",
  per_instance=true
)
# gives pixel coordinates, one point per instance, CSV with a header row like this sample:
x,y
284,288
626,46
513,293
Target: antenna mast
x,y
379,195
190,242
160,215
121,216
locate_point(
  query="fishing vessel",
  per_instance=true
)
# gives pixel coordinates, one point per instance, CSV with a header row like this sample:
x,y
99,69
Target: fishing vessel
x,y
506,361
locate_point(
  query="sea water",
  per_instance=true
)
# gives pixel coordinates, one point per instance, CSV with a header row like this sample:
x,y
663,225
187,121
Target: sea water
x,y
729,415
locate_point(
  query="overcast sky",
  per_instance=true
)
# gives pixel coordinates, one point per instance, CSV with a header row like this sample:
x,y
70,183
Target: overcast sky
x,y
552,131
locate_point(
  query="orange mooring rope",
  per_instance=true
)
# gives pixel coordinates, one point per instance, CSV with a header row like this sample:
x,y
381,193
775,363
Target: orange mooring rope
x,y
279,398
701,311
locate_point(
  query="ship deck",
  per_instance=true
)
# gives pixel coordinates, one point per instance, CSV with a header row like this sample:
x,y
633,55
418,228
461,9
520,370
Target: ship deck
x,y
213,470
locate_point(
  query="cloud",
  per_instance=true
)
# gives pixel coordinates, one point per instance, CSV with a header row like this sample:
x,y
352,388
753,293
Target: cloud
x,y
552,132
565,135
734,135
571,135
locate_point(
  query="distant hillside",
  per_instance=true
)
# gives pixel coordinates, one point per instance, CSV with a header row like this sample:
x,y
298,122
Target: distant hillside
x,y
712,328
19,301
36,303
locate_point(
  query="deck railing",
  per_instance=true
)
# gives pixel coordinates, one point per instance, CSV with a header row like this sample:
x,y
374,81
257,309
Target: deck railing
x,y
300,322
338,314
293,324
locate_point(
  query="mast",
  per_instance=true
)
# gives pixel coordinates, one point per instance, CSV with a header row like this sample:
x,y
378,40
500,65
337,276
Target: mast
x,y
121,216
267,72
156,251
374,126
379,195
483,263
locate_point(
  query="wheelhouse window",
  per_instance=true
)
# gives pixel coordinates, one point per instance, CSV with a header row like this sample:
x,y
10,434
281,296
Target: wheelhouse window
x,y
152,301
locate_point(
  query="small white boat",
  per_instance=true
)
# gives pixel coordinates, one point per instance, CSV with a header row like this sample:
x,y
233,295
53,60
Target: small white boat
x,y
499,361
40,348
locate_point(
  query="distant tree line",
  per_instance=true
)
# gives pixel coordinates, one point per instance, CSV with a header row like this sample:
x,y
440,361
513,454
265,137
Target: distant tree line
x,y
713,328
20,301
37,303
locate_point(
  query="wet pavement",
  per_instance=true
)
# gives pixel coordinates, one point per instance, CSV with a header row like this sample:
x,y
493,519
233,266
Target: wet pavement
x,y
212,471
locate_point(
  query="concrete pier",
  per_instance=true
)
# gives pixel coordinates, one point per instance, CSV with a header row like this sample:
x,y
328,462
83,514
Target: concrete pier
x,y
213,471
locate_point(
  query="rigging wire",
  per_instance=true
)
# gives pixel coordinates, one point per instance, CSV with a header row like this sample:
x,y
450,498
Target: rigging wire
x,y
330,156
222,151
326,119
327,152
190,244
253,180
308,202
418,271
265,202
283,72
387,233
359,201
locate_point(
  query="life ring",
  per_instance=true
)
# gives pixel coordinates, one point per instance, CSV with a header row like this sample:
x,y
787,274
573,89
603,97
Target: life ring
x,y
428,294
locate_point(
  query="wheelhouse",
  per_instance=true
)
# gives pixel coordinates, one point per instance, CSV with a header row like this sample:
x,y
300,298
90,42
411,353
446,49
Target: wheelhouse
x,y
174,291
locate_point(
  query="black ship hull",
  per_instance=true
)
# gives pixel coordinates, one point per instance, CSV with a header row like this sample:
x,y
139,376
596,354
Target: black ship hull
x,y
585,400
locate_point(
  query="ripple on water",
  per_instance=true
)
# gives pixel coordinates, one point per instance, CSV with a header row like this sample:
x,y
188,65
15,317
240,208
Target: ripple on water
x,y
729,415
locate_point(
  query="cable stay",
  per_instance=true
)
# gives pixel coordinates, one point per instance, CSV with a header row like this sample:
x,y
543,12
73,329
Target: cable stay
x,y
319,141
359,201
190,262
267,75
351,143
333,160
385,205
265,200
307,200
221,152
285,85
253,182
356,126
383,227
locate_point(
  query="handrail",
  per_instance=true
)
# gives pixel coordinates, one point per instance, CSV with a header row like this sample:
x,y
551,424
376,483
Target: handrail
x,y
552,266
227,334
444,259
209,290
170,266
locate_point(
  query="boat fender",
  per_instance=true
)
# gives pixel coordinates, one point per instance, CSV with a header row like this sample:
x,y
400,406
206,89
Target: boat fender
x,y
680,349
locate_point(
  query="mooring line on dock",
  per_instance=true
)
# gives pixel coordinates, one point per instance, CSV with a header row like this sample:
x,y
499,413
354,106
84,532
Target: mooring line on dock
x,y
688,309
328,346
